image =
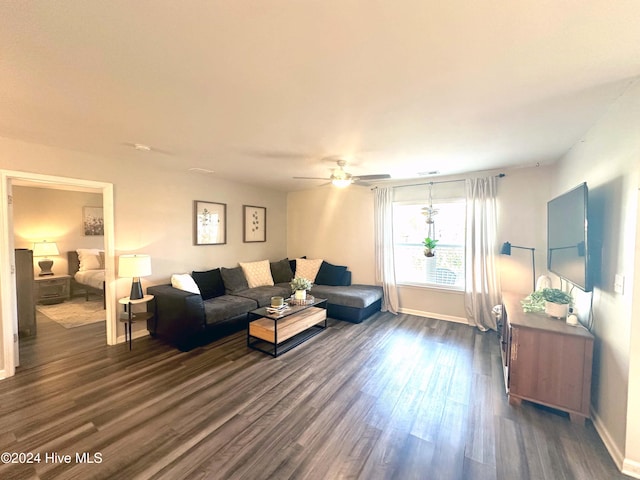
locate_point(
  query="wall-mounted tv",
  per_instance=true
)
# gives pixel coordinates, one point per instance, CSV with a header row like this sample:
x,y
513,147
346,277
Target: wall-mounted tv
x,y
567,237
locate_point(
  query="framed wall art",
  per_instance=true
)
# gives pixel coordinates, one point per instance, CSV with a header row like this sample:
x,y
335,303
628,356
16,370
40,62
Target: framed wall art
x,y
210,223
92,221
255,224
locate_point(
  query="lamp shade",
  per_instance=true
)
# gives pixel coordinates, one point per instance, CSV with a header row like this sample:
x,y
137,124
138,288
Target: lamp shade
x,y
506,248
134,266
45,249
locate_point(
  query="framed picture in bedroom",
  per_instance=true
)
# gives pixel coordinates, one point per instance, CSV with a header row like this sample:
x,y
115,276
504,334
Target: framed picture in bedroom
x,y
254,224
92,221
209,223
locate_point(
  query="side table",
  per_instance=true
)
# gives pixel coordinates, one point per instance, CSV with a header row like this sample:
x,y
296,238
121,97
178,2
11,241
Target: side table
x,y
128,317
52,289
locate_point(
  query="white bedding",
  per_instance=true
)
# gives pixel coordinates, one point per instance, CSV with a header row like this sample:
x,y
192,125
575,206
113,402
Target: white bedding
x,y
93,278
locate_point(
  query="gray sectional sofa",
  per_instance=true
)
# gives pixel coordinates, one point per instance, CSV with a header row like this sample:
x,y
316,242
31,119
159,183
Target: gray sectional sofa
x,y
188,319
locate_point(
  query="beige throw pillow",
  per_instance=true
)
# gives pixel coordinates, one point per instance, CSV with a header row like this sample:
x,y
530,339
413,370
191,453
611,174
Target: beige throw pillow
x,y
258,274
308,268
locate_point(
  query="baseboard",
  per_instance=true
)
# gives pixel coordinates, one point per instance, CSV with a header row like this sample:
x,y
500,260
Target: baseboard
x,y
134,335
3,374
437,316
625,466
631,468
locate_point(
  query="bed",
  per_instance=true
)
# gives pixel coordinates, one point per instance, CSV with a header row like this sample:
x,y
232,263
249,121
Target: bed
x,y
86,268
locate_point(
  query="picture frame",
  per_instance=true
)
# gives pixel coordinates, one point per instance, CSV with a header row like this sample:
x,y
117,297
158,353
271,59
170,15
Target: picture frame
x,y
254,224
209,223
92,221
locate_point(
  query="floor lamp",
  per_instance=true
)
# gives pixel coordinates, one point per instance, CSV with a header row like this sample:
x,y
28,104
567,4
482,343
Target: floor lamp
x,y
506,250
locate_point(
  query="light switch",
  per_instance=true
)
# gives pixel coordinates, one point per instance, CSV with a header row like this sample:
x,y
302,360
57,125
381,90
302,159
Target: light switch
x,y
618,284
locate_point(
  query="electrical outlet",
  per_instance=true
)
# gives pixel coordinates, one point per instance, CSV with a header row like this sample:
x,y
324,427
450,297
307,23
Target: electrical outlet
x,y
618,284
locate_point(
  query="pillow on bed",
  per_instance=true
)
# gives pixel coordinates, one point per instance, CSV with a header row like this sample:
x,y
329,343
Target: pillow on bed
x,y
89,259
184,282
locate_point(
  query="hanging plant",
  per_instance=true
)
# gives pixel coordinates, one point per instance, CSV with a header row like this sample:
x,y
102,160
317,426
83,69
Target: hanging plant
x,y
429,246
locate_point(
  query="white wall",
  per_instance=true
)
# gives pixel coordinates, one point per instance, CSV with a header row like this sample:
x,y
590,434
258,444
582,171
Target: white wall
x,y
336,225
153,206
522,220
55,216
608,159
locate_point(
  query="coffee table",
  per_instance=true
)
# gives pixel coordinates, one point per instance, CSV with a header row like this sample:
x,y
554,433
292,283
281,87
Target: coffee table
x,y
277,333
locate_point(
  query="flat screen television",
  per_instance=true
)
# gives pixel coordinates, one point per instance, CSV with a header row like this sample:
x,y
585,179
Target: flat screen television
x,y
567,237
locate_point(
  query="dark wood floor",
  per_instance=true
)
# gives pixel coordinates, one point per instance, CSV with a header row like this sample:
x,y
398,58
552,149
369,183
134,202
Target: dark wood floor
x,y
393,398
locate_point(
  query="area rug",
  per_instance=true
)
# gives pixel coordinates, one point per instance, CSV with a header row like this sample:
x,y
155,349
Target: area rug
x,y
75,312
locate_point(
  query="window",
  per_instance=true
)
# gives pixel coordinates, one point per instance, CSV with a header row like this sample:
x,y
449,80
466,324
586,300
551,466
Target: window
x,y
446,268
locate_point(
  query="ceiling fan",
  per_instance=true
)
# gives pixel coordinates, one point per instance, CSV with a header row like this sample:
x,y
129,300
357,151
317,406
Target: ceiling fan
x,y
340,178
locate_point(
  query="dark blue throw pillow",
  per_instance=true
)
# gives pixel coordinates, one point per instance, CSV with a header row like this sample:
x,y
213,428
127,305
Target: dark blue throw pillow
x,y
209,282
329,274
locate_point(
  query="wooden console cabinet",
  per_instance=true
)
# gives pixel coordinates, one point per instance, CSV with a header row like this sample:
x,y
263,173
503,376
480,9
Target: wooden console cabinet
x,y
545,360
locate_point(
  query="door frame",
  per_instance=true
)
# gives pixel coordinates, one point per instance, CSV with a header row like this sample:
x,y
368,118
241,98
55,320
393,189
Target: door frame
x,y
8,302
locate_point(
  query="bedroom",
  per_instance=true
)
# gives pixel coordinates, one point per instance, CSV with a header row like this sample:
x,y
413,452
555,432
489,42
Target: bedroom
x,y
58,215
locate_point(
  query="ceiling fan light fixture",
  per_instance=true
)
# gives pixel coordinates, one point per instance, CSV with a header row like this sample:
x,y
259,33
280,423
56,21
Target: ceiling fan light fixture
x,y
341,182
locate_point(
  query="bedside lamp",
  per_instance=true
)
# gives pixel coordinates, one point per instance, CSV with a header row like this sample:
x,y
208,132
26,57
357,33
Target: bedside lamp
x,y
506,250
45,249
134,266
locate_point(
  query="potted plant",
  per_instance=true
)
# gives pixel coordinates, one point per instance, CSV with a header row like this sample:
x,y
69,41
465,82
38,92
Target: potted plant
x,y
556,302
429,246
299,287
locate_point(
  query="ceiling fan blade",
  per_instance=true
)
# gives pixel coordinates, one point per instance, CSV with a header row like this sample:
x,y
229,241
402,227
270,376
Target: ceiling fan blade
x,y
382,176
311,178
361,183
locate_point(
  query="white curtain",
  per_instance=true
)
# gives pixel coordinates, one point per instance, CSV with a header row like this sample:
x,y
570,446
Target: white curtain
x,y
482,283
385,272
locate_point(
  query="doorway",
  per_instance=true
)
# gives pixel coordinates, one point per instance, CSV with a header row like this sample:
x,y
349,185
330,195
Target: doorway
x,y
8,308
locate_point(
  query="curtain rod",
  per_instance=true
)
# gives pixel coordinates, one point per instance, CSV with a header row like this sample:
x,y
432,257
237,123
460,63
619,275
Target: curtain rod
x,y
499,175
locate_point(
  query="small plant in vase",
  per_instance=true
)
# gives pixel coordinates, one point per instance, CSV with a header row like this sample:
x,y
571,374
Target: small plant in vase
x,y
299,287
429,246
556,302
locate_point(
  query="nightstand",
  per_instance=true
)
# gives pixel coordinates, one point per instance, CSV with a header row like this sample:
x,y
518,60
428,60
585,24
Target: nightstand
x,y
51,289
128,317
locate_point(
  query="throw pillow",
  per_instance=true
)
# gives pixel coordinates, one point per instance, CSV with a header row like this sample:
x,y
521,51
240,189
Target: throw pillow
x,y
308,268
292,265
184,282
331,275
210,283
89,259
281,271
101,258
258,274
233,279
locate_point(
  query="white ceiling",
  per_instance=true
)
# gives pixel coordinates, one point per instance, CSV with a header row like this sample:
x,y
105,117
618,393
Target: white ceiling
x,y
260,91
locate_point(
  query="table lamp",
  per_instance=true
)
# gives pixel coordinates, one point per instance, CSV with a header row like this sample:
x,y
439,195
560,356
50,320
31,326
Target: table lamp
x,y
134,266
45,249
